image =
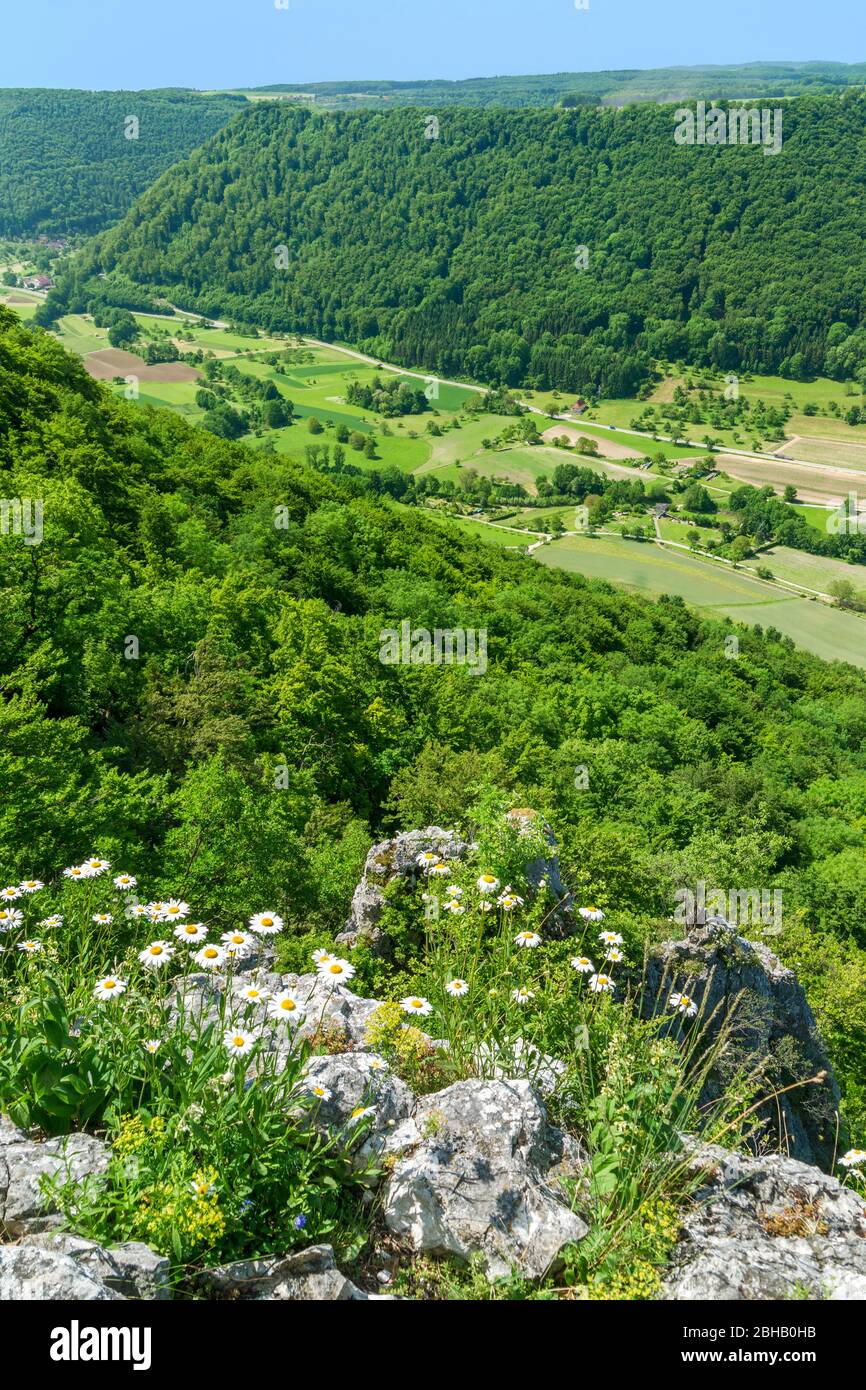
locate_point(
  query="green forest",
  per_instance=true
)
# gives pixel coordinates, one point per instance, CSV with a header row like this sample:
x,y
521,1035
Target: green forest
x,y
190,671
67,164
550,248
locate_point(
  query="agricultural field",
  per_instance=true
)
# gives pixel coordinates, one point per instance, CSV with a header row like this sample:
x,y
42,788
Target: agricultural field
x,y
816,572
822,437
713,588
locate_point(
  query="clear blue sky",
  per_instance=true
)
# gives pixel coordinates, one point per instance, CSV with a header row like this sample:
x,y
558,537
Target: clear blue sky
x,y
227,43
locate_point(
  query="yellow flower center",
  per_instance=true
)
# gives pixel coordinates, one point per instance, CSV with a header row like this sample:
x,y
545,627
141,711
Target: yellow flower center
x,y
109,984
156,950
238,1042
211,954
417,1004
288,1005
335,969
267,921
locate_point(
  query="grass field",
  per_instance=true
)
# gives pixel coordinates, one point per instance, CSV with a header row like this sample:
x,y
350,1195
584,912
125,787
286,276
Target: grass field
x,y
812,571
715,589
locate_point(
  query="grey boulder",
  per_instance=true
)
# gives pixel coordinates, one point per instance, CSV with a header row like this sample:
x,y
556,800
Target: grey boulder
x,y
768,1228
482,1178
24,1208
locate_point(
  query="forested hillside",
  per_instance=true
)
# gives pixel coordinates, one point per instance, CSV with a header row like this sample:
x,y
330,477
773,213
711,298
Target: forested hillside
x,y
650,84
461,253
191,680
67,164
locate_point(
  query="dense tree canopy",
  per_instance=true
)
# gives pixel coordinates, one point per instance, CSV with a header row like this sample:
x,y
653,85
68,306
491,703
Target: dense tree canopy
x,y
459,253
71,161
191,680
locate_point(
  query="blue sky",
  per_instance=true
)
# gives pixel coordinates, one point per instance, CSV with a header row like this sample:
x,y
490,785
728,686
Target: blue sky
x,y
224,43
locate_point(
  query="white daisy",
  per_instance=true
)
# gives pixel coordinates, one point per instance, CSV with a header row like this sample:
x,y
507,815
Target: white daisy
x,y
152,1045
427,859
485,906
414,1005
109,988
252,994
174,910
361,1112
286,1006
582,964
157,954
31,885
192,932
684,1004
320,1092
96,865
201,1187
8,895
454,906
441,870
30,947
376,1064
210,957
266,923
456,988
509,901
10,917
78,871
853,1158
452,891
155,911
124,881
601,984
615,955
487,883
338,971
139,910
55,920
527,938
238,1042
591,914
237,941
319,956
522,995
610,938
102,919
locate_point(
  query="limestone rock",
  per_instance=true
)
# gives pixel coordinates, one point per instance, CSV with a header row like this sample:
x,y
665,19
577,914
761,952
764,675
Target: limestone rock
x,y
33,1273
719,968
387,861
23,1164
477,1180
769,1228
352,1083
130,1269
303,1275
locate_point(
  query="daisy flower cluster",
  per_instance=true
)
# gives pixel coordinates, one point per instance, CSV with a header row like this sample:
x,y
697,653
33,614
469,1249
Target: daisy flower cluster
x,y
610,943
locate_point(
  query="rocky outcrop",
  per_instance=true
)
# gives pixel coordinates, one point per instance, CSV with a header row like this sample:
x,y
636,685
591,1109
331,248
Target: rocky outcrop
x,y
49,1266
386,863
769,1228
773,1025
304,1275
24,1207
482,1178
396,860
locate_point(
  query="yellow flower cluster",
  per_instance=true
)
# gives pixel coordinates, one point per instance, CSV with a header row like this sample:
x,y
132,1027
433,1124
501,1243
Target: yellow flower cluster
x,y
172,1207
134,1133
387,1031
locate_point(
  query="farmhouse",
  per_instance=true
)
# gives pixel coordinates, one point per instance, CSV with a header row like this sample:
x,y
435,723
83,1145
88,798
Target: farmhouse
x,y
38,282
